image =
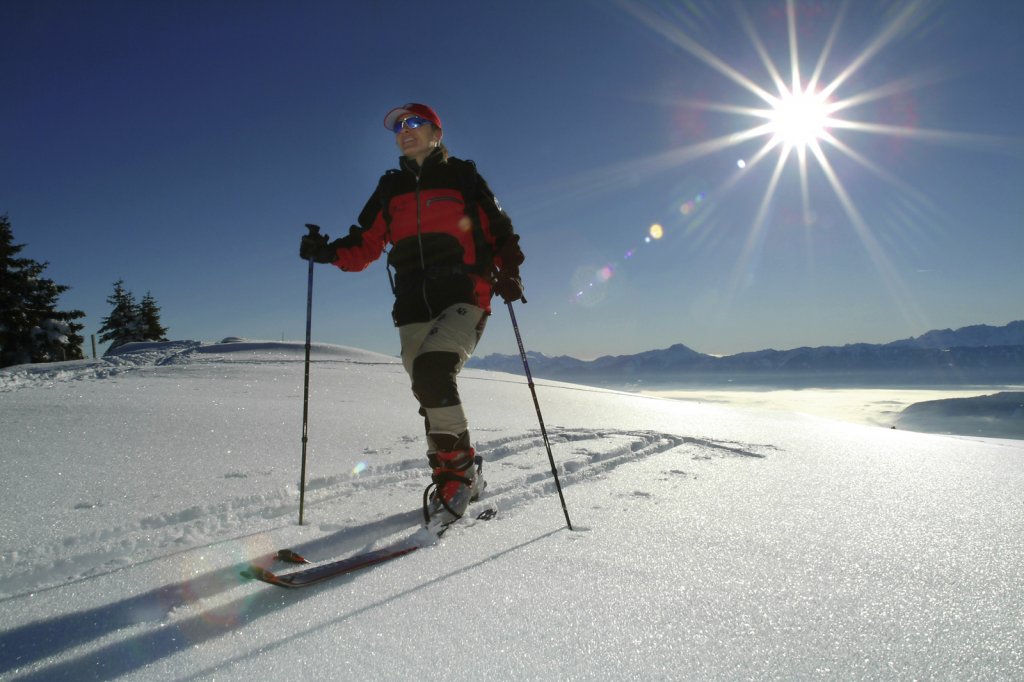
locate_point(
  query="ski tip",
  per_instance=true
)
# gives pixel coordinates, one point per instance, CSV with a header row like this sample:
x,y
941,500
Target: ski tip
x,y
291,557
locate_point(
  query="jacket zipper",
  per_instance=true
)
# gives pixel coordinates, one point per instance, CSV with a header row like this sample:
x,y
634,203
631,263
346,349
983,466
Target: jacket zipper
x,y
419,239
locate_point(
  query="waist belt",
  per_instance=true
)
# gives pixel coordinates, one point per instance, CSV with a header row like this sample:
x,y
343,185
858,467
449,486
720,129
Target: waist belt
x,y
410,280
439,271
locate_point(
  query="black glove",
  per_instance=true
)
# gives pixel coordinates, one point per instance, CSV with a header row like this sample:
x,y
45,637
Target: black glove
x,y
315,247
506,280
508,285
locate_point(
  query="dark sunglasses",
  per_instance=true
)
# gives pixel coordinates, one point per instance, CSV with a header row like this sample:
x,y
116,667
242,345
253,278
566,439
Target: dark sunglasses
x,y
411,123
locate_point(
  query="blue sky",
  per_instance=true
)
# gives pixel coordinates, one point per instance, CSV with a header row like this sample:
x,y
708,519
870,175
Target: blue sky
x,y
181,146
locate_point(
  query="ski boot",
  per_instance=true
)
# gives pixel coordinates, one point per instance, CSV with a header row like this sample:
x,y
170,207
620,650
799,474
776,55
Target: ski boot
x,y
457,480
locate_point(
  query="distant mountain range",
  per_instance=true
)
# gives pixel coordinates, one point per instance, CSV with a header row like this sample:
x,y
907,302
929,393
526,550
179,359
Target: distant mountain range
x,y
976,354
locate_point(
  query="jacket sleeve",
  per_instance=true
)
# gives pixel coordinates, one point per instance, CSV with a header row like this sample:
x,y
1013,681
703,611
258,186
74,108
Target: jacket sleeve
x,y
365,241
497,227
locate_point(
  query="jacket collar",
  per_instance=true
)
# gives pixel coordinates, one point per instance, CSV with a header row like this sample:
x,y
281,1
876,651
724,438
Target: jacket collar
x,y
435,158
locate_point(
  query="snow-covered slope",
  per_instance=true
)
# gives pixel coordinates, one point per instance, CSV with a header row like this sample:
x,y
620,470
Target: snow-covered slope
x,y
709,543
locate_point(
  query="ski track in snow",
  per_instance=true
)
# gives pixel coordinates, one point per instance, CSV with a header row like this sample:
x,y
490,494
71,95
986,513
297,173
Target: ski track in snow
x,y
516,468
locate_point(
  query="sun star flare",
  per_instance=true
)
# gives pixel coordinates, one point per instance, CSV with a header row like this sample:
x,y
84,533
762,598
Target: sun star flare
x,y
799,119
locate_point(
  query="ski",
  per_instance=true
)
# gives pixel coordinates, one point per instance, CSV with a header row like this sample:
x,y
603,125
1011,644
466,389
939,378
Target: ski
x,y
321,572
318,573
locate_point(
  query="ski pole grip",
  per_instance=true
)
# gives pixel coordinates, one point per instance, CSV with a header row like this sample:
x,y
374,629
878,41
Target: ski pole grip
x,y
314,230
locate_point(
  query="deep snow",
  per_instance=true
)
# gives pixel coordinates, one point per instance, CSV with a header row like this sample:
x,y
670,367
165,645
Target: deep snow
x,y
710,542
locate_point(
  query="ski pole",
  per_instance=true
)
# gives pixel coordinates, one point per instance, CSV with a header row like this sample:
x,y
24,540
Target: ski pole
x,y
314,231
540,418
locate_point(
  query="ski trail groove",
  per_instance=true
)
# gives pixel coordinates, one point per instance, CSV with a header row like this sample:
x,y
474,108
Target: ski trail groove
x,y
516,468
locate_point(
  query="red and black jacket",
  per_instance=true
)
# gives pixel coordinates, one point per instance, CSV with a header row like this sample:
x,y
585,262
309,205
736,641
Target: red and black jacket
x,y
446,232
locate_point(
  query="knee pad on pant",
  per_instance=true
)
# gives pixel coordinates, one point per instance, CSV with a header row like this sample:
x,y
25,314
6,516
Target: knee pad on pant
x,y
433,379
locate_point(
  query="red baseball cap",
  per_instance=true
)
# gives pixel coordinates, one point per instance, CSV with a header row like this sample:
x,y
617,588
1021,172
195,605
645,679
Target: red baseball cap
x,y
414,109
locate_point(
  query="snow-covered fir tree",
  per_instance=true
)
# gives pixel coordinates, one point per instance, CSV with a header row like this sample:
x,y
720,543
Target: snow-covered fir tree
x,y
130,321
149,318
122,325
32,329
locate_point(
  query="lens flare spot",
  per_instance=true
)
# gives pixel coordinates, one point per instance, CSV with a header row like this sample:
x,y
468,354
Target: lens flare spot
x,y
204,577
691,205
591,285
656,231
360,468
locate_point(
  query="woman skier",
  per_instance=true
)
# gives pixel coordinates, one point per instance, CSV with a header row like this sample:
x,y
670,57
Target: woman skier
x,y
449,246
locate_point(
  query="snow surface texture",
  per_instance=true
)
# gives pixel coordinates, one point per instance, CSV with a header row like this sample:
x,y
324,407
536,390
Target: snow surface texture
x,y
710,542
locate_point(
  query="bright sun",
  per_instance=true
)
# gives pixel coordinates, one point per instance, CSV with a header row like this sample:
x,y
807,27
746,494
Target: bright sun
x,y
799,119
801,115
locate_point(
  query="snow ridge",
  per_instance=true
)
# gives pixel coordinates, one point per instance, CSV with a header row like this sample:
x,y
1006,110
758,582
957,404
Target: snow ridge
x,y
149,354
